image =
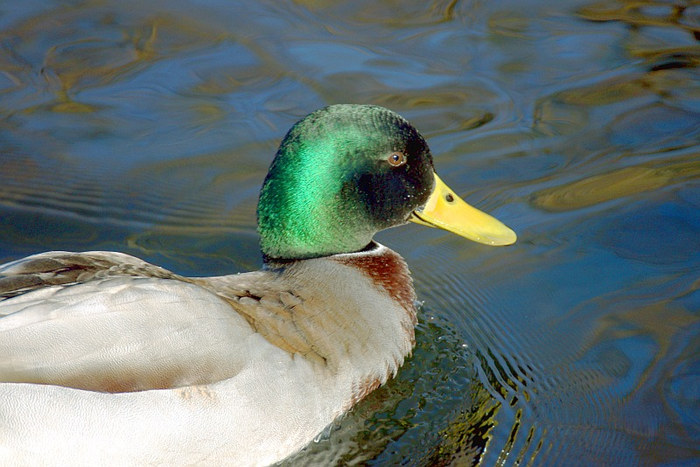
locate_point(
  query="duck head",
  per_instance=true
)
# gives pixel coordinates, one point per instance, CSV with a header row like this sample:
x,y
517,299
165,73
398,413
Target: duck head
x,y
345,172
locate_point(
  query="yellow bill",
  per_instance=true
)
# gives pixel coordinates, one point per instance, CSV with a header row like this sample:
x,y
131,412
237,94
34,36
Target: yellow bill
x,y
445,210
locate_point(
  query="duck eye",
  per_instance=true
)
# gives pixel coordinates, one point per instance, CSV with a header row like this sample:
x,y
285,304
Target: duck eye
x,y
397,158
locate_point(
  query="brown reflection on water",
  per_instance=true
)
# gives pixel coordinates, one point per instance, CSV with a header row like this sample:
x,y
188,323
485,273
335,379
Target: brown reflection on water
x,y
680,15
617,184
93,46
635,345
392,13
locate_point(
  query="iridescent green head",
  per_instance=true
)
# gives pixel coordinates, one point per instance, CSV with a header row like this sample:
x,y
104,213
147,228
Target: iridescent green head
x,y
342,174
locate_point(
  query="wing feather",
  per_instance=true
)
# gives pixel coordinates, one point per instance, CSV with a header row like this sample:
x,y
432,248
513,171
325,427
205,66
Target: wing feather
x,y
111,322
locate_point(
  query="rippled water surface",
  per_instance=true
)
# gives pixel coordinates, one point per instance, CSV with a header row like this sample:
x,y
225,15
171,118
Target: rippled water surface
x,y
147,127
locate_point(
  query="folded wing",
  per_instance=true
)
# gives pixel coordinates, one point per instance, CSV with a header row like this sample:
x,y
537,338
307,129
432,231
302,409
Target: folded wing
x,y
111,322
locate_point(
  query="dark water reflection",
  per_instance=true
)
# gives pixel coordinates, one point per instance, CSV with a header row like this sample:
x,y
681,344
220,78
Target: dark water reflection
x,y
147,127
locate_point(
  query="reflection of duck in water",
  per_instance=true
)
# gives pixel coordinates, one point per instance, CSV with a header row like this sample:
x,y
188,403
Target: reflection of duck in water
x,y
103,355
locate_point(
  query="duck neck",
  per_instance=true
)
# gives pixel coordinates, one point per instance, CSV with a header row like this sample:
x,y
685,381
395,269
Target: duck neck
x,y
369,312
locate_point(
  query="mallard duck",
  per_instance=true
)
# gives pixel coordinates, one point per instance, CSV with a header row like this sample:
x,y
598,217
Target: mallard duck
x,y
105,358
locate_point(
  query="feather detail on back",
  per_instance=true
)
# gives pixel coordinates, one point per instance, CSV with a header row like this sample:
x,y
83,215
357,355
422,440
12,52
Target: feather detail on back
x,y
155,366
64,268
110,322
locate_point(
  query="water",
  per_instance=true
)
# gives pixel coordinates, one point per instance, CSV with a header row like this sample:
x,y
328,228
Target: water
x,y
147,127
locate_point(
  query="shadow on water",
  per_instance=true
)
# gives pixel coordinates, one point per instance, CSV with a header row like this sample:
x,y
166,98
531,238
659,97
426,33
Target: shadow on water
x,y
147,127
